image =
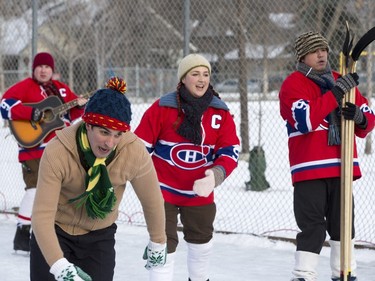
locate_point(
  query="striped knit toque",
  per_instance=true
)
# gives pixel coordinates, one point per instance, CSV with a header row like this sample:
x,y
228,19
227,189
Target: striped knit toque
x,y
309,42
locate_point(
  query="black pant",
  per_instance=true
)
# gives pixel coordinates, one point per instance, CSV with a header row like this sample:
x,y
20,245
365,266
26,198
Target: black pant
x,y
93,252
197,224
317,211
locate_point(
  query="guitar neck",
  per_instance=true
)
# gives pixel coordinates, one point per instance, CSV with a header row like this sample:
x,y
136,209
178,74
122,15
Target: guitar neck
x,y
66,106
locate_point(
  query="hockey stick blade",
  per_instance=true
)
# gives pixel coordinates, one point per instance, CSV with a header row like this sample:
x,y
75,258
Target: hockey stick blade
x,y
362,43
347,46
347,42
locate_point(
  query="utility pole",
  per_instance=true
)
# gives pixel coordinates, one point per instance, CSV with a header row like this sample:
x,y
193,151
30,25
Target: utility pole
x,y
34,36
186,27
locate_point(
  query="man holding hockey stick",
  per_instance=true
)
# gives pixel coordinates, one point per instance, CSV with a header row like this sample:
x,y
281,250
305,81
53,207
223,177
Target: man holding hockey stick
x,y
309,103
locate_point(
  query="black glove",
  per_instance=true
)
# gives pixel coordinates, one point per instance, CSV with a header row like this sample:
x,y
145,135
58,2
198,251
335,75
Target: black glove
x,y
353,112
36,114
344,84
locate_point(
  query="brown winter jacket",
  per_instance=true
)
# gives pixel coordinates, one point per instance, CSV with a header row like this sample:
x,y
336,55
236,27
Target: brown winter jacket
x,y
62,177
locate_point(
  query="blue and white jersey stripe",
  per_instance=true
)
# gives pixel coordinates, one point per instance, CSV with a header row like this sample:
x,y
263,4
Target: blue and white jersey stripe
x,y
301,115
319,164
6,107
185,193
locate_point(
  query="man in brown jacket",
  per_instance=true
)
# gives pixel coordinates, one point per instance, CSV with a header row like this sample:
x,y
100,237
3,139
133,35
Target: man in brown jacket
x,y
82,178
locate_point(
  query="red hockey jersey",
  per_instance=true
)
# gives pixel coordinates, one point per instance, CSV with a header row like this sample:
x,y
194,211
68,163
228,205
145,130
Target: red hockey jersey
x,y
305,111
179,162
28,91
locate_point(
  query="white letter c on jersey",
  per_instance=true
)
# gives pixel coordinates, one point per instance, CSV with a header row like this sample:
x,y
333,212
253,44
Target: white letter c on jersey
x,y
214,121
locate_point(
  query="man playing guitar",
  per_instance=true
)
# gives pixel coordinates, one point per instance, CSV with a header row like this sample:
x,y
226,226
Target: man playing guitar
x,y
19,107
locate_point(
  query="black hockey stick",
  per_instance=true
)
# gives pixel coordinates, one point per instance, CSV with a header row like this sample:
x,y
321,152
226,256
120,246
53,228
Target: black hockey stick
x,y
362,43
347,47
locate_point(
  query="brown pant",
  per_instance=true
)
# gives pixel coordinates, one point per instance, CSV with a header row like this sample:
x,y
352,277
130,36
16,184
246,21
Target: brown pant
x,y
197,224
30,170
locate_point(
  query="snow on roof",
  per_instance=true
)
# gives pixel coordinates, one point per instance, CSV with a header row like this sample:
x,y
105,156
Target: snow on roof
x,y
15,35
256,51
283,20
210,57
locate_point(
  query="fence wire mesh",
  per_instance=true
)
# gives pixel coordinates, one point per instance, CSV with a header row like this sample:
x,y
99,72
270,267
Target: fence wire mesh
x,y
250,46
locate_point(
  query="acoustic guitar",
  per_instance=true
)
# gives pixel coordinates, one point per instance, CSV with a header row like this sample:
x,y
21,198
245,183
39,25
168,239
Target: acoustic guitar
x,y
29,133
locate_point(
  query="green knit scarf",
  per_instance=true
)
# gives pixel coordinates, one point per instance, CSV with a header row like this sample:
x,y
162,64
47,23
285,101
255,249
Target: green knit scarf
x,y
99,197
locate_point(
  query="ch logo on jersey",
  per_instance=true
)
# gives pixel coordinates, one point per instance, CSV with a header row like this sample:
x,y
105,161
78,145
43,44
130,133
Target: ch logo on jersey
x,y
188,156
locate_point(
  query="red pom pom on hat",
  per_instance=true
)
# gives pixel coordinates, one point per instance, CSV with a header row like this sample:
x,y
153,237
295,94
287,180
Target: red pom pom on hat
x,y
109,107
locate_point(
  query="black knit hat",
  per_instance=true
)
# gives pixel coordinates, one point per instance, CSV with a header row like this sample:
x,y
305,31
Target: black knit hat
x,y
109,107
309,42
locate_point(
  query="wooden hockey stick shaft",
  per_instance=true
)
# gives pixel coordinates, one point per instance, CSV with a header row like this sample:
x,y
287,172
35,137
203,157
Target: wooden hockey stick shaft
x,y
346,192
346,171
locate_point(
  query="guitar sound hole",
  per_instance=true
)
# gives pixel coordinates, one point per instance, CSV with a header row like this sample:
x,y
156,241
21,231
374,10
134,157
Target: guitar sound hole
x,y
48,116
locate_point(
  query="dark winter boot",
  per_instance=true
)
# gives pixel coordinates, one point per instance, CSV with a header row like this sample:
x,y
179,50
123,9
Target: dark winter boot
x,y
207,279
352,278
22,238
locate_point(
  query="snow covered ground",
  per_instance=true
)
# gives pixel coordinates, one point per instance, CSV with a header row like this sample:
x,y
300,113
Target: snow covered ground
x,y
236,257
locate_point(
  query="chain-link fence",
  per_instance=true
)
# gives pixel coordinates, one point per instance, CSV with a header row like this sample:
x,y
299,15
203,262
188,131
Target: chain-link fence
x,y
245,40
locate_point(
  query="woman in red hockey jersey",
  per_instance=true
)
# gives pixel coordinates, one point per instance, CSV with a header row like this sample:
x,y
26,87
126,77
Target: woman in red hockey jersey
x,y
192,137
